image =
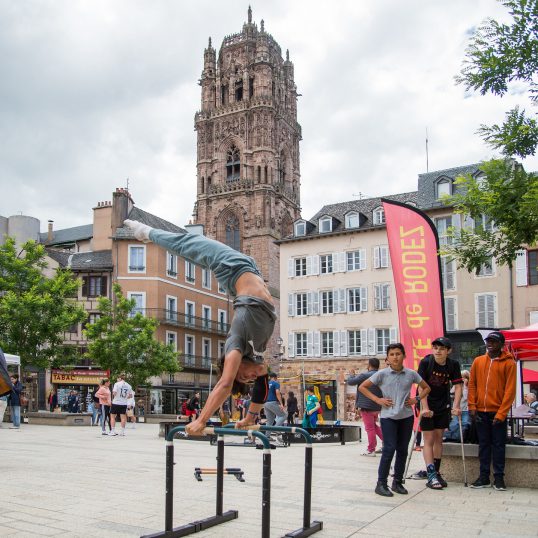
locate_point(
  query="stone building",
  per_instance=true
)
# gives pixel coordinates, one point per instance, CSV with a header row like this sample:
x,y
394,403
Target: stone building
x,y
248,173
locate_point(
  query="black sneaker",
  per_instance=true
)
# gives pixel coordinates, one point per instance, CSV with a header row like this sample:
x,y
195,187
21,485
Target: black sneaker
x,y
397,487
498,483
481,482
383,490
441,480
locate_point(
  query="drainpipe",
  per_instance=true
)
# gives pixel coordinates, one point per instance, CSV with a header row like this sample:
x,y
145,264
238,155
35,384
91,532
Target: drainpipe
x,y
511,297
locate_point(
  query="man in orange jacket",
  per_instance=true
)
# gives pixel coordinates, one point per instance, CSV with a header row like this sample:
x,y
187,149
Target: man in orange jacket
x,y
492,389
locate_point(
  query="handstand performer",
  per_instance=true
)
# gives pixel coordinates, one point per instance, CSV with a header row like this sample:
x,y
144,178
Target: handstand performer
x,y
252,324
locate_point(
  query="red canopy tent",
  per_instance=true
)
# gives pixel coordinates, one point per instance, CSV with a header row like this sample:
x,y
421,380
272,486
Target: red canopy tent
x,y
523,343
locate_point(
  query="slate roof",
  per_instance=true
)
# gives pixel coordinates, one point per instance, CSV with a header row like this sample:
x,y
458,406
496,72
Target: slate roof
x,y
100,260
68,235
365,206
146,218
426,183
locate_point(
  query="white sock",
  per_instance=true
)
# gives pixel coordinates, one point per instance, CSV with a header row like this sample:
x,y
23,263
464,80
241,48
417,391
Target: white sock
x,y
140,231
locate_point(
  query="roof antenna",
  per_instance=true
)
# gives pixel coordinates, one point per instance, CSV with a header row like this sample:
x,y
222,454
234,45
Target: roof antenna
x,y
127,184
427,161
360,196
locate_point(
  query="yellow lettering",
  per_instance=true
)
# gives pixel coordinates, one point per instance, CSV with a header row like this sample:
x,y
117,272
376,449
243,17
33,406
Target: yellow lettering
x,y
419,229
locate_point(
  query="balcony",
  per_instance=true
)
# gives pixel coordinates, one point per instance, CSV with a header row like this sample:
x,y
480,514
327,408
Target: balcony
x,y
195,361
180,319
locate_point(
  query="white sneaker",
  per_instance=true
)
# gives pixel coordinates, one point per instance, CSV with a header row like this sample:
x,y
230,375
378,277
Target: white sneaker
x,y
140,231
104,432
122,432
368,453
112,432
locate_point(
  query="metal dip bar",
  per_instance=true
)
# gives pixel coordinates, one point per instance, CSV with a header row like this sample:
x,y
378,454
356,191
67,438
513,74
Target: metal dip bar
x,y
219,517
308,527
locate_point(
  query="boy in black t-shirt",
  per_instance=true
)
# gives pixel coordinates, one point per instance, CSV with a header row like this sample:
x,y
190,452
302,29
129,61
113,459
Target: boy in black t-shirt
x,y
439,371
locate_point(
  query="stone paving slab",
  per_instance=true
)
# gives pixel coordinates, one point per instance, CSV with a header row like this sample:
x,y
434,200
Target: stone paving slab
x,y
74,482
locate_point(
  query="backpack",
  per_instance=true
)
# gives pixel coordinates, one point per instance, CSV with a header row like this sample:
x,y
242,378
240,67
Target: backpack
x,y
190,405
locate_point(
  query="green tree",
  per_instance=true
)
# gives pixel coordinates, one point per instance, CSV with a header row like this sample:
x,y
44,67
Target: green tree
x,y
35,310
122,342
501,58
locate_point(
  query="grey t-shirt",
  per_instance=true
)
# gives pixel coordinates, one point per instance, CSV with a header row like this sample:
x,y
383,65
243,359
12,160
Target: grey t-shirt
x,y
396,386
251,328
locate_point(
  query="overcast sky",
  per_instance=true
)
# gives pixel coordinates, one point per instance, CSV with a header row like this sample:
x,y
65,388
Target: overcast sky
x,y
95,92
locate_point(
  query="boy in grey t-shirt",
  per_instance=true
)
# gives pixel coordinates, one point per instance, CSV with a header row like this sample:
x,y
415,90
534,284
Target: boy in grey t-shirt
x,y
397,415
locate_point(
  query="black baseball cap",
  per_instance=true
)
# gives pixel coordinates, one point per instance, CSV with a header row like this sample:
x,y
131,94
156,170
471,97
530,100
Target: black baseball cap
x,y
442,341
496,335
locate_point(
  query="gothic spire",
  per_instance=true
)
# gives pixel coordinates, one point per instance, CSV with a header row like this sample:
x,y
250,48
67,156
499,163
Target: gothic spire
x,y
249,15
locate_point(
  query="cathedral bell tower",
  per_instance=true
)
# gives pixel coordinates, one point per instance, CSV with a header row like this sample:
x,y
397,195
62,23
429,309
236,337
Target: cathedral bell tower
x,y
248,147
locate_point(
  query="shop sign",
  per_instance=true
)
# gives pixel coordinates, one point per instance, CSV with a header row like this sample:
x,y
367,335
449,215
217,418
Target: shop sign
x,y
78,377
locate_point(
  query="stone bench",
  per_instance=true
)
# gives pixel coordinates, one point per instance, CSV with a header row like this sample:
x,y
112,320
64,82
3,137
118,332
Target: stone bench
x,y
521,464
59,419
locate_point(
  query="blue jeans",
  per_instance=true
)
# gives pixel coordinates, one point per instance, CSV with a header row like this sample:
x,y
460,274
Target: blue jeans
x,y
95,413
453,432
225,262
274,414
16,415
396,437
491,444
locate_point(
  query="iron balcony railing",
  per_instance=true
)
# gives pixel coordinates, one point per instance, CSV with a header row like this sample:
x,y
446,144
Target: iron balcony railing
x,y
195,361
180,319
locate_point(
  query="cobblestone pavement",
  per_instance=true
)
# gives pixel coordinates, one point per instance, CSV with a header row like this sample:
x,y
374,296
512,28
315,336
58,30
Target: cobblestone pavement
x,y
73,482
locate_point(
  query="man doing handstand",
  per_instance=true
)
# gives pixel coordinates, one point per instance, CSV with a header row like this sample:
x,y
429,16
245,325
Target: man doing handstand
x,y
252,324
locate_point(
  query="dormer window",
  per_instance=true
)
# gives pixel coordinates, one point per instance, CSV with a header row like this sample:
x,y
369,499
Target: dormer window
x,y
379,215
300,228
352,220
325,225
443,187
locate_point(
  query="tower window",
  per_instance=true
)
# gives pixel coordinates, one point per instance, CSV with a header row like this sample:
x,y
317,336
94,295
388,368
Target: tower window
x,y
233,165
232,232
224,94
251,87
239,90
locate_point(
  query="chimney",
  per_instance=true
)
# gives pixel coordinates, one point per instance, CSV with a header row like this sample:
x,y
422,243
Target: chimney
x,y
49,232
122,203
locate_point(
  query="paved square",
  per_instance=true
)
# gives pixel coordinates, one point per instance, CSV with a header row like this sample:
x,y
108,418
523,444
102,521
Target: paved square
x,y
73,482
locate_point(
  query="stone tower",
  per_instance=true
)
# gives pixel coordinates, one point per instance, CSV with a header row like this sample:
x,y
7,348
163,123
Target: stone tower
x,y
248,147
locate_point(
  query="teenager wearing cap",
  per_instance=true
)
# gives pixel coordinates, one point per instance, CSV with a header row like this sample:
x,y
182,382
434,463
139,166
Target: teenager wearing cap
x,y
492,389
440,372
252,324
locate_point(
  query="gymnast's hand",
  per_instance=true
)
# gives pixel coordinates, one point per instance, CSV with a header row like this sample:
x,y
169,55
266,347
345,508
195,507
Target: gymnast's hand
x,y
196,427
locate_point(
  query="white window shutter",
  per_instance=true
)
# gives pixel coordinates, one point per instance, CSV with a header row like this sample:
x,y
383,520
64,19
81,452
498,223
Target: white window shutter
x,y
491,310
310,343
315,303
377,296
362,259
364,342
336,343
450,313
310,303
386,291
377,257
384,256
521,268
468,223
388,255
291,304
393,335
341,299
364,299
291,345
308,265
343,343
456,224
481,310
315,265
371,342
291,267
313,347
341,262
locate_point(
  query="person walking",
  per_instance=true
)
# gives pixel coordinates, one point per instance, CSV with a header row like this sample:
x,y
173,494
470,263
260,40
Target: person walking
x,y
492,389
368,408
105,401
252,324
131,415
397,416
52,400
193,407
121,393
274,409
292,408
440,372
15,402
312,407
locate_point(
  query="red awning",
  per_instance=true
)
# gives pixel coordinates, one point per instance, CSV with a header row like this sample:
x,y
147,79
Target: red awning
x,y
530,376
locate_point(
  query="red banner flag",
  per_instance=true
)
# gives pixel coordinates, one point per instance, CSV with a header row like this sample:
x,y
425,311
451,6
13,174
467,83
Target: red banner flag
x,y
413,246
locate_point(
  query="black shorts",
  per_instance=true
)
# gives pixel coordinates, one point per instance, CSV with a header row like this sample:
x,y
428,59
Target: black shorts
x,y
439,421
117,409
